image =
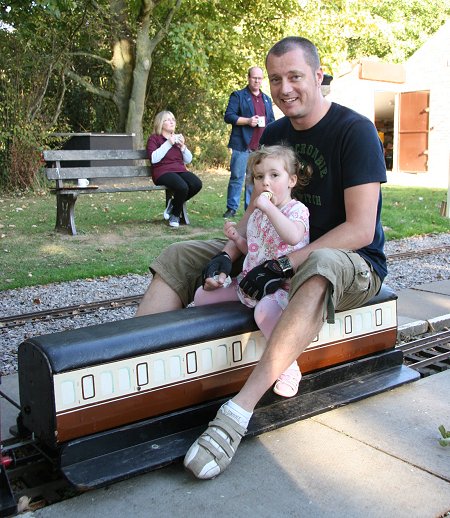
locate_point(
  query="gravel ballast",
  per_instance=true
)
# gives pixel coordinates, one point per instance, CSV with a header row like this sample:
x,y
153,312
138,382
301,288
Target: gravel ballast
x,y
402,274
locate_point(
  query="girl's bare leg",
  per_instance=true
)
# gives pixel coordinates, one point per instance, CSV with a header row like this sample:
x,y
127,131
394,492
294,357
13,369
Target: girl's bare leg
x,y
299,324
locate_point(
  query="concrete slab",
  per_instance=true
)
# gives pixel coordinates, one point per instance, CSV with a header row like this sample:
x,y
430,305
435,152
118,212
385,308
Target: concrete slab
x,y
402,422
439,323
441,287
409,328
375,458
422,305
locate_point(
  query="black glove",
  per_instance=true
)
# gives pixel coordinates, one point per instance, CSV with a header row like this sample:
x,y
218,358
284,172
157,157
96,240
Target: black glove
x,y
263,279
218,264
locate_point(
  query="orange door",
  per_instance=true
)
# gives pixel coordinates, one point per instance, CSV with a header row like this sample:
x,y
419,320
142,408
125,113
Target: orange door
x,y
413,132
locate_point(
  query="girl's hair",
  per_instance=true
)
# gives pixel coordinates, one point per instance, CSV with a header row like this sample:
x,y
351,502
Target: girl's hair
x,y
291,163
159,121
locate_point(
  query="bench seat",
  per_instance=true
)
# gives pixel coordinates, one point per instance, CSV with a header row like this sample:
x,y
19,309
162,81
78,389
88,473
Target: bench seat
x,y
66,167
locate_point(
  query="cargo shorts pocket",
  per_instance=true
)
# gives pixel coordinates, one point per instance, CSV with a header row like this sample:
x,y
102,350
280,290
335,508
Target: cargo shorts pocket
x,y
361,277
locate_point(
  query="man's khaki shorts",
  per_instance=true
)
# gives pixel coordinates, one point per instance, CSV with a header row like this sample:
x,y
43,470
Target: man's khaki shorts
x,y
352,281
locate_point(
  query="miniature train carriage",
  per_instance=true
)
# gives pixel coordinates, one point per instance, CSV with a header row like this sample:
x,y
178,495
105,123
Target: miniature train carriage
x,y
148,385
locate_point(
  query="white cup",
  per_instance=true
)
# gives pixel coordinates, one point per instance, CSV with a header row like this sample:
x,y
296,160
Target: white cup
x,y
261,121
83,182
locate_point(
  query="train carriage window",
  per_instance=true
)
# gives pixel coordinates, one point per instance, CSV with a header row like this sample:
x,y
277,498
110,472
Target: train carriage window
x,y
106,383
367,320
206,359
387,315
159,374
325,332
358,323
222,356
337,327
142,374
87,386
67,392
237,351
175,367
124,378
378,317
348,324
191,362
249,350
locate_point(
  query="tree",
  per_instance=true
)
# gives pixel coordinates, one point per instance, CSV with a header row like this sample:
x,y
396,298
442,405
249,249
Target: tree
x,y
110,65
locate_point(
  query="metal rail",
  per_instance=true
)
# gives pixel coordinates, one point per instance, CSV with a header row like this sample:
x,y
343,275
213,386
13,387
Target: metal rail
x,y
428,355
418,253
65,312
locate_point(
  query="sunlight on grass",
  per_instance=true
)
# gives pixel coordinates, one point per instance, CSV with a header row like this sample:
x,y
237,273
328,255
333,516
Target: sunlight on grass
x,y
53,249
122,233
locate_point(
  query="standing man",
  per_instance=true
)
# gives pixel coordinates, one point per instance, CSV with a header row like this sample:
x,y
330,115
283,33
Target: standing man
x,y
249,111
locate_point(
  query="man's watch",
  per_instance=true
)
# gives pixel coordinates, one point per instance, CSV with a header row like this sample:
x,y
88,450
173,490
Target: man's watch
x,y
286,266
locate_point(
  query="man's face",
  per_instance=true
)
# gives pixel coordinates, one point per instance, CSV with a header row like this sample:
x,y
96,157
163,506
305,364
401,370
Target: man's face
x,y
255,79
295,87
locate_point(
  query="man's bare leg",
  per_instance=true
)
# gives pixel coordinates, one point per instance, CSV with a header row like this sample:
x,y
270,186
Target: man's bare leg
x,y
299,324
158,298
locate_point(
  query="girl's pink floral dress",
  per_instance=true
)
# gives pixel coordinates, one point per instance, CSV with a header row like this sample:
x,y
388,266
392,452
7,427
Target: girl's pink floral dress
x,y
264,243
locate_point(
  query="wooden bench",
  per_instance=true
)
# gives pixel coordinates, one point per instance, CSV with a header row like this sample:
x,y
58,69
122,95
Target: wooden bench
x,y
69,166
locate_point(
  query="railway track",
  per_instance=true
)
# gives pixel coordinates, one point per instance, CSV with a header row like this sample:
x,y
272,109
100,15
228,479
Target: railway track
x,y
428,355
109,304
68,311
33,475
418,253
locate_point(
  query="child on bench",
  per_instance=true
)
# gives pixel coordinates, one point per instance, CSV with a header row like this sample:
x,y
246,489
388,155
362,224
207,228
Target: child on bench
x,y
278,225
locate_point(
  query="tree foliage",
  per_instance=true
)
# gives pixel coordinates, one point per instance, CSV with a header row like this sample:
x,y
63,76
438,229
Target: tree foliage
x,y
111,65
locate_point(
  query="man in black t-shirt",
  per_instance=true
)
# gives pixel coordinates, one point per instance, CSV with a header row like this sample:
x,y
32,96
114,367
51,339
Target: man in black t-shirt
x,y
342,267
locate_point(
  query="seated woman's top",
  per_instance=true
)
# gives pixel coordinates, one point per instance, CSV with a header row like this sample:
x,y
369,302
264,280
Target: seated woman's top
x,y
166,158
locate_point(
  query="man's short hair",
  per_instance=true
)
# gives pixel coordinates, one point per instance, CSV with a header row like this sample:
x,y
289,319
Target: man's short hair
x,y
253,68
293,42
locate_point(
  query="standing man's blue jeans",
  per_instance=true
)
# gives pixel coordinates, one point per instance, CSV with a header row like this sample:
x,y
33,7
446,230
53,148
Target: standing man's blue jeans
x,y
238,167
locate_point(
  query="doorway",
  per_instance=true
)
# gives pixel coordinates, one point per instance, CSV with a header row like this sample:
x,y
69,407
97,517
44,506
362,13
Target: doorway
x,y
385,124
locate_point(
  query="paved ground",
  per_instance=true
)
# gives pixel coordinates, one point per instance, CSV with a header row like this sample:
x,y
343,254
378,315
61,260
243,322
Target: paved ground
x,y
379,457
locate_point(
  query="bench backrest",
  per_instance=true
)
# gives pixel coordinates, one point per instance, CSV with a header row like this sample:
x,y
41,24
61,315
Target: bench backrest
x,y
79,162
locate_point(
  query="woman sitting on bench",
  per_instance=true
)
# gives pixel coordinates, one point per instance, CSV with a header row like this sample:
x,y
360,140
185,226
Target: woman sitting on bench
x,y
168,155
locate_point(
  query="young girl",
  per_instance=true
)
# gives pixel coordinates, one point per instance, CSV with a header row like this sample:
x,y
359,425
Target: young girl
x,y
277,226
168,155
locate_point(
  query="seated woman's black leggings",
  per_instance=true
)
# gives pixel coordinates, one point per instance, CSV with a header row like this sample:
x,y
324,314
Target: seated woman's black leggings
x,y
183,185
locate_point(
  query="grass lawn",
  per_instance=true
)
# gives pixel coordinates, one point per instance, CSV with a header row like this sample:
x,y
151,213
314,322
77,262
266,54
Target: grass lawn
x,y
120,233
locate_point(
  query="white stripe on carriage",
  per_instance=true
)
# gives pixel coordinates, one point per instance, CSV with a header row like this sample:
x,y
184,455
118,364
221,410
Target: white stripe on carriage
x,y
315,345
147,391
164,367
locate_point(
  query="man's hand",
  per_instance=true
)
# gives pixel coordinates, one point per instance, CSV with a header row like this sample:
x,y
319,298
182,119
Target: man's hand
x,y
263,279
253,121
220,263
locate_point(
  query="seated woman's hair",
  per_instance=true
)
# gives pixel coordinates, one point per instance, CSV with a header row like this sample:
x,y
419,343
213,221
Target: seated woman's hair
x,y
159,121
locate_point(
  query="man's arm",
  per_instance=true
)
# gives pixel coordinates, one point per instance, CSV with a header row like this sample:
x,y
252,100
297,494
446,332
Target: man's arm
x,y
357,231
361,203
233,113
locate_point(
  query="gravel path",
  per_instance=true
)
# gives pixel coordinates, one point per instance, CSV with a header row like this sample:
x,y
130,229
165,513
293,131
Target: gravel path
x,y
402,274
